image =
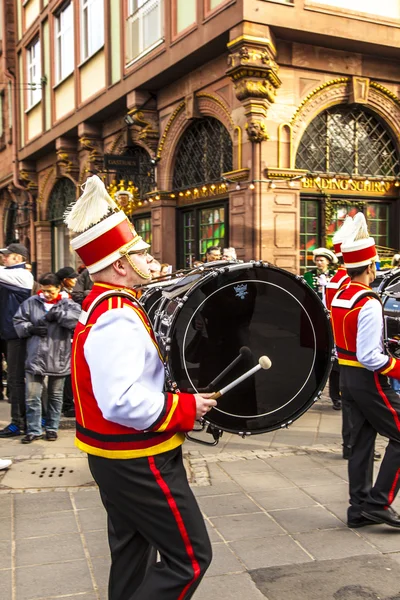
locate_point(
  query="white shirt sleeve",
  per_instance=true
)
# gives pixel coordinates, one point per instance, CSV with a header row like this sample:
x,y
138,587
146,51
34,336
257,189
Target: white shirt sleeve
x,y
370,336
126,372
21,278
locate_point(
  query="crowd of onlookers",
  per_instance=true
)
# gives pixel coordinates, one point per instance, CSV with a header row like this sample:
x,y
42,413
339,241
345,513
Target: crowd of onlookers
x,y
37,320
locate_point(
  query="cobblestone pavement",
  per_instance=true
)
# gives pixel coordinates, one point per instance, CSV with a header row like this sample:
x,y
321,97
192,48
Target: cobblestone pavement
x,y
272,503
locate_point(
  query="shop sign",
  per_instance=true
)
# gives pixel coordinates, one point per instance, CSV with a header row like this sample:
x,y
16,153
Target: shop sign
x,y
356,186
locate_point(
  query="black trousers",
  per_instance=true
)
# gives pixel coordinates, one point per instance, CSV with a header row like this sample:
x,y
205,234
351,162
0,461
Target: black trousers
x,y
16,380
150,508
334,387
373,408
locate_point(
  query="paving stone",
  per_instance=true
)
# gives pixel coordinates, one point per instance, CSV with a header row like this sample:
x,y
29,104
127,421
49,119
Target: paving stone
x,y
240,527
354,578
247,466
60,579
271,551
42,503
5,555
5,529
313,477
92,519
334,543
227,504
214,535
325,494
6,584
101,571
97,543
385,539
233,587
224,561
284,498
57,548
306,519
289,463
216,489
87,499
44,525
5,507
255,482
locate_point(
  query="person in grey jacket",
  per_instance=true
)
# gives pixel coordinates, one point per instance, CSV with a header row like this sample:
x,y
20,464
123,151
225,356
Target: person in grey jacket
x,y
47,321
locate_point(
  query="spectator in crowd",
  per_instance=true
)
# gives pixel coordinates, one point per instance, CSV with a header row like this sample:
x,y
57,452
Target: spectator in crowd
x,y
213,253
197,264
166,269
396,260
155,268
82,287
229,254
5,463
16,284
68,277
47,321
81,268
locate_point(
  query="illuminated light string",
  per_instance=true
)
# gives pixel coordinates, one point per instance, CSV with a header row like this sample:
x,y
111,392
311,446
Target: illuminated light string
x,y
126,194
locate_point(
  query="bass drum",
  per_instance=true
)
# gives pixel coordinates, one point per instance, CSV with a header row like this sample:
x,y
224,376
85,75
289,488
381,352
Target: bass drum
x,y
205,320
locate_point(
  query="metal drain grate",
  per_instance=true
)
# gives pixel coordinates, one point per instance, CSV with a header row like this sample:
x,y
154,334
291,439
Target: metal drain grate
x,y
52,472
48,473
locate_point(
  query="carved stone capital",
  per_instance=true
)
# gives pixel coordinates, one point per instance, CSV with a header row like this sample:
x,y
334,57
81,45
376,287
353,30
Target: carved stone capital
x,y
145,127
28,175
254,72
67,157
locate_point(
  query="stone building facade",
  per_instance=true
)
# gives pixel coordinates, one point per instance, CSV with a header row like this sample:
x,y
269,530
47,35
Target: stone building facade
x,y
256,124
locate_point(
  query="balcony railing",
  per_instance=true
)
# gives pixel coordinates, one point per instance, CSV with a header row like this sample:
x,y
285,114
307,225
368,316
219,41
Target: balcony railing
x,y
144,28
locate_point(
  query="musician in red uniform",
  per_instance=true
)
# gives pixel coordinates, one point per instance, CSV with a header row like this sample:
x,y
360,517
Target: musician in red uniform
x,y
131,429
357,319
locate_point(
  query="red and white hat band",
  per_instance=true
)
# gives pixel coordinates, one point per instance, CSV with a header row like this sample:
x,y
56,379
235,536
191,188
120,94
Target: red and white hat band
x,y
359,254
99,246
338,248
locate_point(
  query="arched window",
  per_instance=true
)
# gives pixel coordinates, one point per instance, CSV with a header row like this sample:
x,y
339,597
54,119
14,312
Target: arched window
x,y
141,173
62,195
351,140
204,153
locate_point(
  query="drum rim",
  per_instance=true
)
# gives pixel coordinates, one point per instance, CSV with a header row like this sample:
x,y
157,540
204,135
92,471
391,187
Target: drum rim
x,y
306,379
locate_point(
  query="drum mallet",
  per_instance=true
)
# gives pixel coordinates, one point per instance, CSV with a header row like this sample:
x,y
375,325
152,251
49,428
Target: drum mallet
x,y
263,363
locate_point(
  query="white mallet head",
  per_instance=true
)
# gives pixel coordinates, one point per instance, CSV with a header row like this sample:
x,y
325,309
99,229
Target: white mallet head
x,y
264,362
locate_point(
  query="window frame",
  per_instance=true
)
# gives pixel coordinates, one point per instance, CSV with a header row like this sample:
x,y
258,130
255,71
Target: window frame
x,y
86,52
59,74
139,231
128,21
34,94
197,209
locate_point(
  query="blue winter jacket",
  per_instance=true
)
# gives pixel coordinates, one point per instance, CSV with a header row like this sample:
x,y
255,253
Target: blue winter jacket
x,y
16,285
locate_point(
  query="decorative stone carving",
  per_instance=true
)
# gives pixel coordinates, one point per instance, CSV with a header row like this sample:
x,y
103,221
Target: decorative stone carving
x,y
28,175
256,131
67,158
254,72
359,91
90,150
145,127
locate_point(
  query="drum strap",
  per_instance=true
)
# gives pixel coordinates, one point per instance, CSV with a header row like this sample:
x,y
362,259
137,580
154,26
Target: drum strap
x,y
118,293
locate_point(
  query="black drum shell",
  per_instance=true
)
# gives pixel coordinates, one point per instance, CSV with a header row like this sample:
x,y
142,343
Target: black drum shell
x,y
251,305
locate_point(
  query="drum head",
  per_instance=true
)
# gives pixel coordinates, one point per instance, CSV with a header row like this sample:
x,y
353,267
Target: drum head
x,y
252,310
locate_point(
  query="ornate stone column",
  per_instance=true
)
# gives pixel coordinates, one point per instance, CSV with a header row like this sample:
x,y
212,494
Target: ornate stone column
x,y
254,73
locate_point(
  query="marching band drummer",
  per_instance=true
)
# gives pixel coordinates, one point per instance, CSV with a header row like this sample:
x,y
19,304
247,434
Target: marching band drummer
x,y
357,320
318,278
131,430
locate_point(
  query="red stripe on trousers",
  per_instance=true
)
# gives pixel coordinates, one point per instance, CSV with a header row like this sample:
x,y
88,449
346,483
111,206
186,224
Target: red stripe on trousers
x,y
179,521
397,421
393,488
386,401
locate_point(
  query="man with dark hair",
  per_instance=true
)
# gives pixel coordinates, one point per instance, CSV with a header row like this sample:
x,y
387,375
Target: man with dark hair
x,y
16,284
357,320
213,253
47,321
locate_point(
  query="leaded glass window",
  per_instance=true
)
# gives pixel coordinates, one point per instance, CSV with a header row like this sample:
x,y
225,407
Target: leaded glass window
x,y
62,195
200,228
378,222
142,225
189,238
349,140
212,228
309,231
204,153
